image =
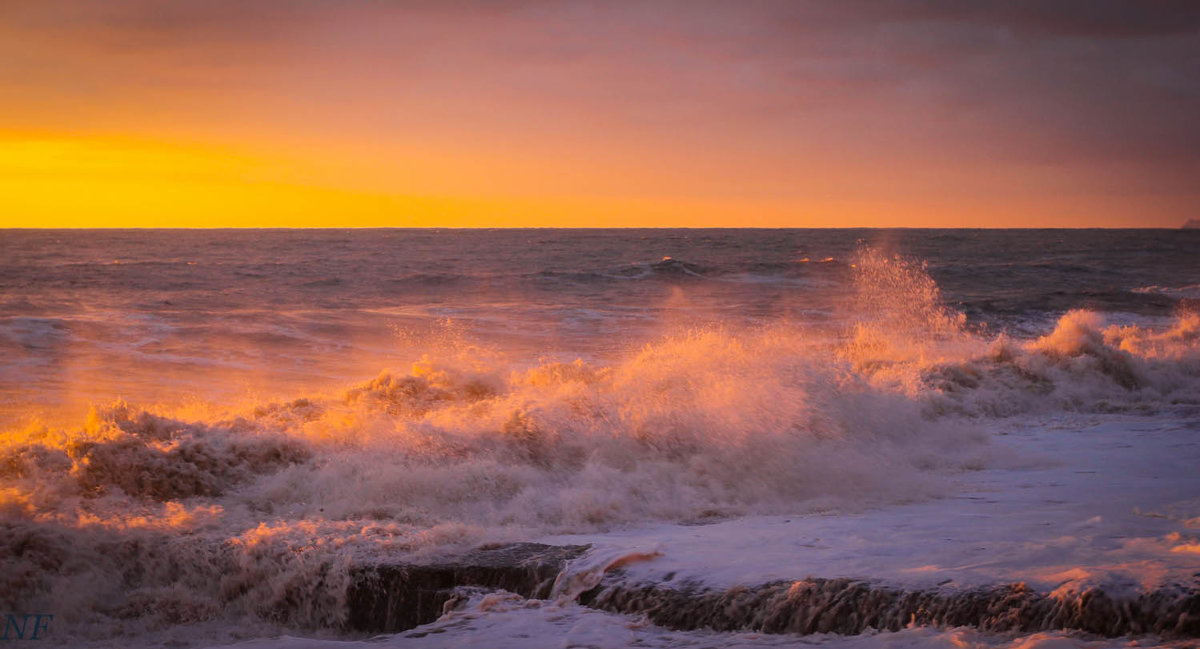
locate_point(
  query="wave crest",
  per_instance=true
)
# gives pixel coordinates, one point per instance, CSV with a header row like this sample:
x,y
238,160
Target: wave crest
x,y
144,514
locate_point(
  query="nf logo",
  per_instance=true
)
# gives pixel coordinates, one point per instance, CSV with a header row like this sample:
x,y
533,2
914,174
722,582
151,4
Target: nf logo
x,y
33,626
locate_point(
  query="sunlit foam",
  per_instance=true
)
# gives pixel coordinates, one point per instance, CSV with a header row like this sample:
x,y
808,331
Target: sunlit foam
x,y
240,510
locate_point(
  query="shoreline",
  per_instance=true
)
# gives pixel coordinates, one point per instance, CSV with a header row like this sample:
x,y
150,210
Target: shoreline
x,y
392,598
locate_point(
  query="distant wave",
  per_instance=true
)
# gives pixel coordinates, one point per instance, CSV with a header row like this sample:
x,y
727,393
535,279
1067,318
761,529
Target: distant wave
x,y
1190,291
671,270
33,333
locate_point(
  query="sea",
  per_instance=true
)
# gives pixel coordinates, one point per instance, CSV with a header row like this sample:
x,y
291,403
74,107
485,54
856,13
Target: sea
x,y
208,433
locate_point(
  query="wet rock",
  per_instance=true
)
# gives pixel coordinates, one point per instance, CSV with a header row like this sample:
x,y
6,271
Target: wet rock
x,y
850,607
391,598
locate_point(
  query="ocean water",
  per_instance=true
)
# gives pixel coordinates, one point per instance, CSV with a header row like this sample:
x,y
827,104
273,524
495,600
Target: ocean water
x,y
207,429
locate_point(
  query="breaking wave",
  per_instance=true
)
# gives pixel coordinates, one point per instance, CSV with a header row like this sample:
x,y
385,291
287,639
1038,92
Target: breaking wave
x,y
140,517
180,519
905,338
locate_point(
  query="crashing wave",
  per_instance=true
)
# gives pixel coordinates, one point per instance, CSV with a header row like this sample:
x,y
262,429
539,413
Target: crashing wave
x,y
904,337
164,517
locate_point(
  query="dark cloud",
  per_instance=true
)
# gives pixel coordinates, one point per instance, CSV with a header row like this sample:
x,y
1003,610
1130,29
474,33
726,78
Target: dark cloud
x,y
1079,18
1085,18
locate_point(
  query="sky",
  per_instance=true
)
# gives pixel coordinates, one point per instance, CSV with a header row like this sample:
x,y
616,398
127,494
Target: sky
x,y
690,113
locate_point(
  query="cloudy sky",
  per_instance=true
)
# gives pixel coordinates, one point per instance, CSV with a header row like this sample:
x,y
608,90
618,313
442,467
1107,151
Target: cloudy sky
x,y
690,113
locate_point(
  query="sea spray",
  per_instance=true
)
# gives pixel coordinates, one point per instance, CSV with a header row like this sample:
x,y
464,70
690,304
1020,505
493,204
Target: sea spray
x,y
255,514
903,337
140,517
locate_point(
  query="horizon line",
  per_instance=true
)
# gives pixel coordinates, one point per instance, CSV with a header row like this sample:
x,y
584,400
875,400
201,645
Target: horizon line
x,y
560,227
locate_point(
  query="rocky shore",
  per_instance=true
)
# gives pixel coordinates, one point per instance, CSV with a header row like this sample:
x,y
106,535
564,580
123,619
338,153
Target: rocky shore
x,y
393,598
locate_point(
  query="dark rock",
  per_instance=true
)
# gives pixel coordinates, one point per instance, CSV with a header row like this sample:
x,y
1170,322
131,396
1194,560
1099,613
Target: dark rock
x,y
396,597
850,607
391,598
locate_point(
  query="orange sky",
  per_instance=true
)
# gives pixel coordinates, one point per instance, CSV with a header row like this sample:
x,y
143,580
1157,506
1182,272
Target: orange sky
x,y
220,113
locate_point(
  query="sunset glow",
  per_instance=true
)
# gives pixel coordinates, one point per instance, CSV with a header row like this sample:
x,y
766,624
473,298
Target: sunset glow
x,y
227,114
531,324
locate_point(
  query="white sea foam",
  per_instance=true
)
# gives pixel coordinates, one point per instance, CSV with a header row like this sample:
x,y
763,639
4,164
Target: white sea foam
x,y
245,513
140,517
